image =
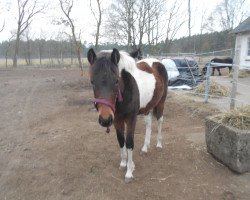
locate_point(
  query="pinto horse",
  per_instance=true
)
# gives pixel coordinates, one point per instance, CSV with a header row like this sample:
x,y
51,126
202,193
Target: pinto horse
x,y
122,90
227,60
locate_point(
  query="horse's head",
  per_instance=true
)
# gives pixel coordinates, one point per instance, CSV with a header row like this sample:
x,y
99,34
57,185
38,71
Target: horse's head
x,y
137,54
104,76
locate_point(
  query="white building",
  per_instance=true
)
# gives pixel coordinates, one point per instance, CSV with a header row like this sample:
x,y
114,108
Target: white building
x,y
242,44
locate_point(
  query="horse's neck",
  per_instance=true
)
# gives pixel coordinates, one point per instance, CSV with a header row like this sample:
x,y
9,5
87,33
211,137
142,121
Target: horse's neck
x,y
128,63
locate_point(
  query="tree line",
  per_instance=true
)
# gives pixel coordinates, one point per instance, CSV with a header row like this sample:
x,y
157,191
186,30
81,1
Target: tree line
x,y
59,50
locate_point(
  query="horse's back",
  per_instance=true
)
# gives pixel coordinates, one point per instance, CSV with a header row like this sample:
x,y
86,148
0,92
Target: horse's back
x,y
222,60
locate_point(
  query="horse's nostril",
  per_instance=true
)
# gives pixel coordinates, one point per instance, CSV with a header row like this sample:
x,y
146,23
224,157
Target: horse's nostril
x,y
106,122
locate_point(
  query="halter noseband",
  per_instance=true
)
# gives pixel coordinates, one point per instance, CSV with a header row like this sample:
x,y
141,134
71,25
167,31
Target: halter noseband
x,y
106,102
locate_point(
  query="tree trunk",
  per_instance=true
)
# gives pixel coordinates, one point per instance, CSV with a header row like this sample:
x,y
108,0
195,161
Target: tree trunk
x,y
16,51
6,59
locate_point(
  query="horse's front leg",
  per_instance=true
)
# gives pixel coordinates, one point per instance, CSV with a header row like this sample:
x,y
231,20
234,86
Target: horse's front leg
x,y
119,126
131,121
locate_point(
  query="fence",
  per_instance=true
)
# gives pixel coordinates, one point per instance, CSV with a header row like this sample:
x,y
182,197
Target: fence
x,y
225,52
234,98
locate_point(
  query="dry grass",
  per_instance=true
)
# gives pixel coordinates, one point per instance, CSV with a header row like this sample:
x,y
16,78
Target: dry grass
x,y
194,107
242,74
238,118
46,62
215,90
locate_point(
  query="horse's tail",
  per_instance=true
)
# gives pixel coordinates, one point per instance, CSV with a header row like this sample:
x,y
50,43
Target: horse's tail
x,y
162,72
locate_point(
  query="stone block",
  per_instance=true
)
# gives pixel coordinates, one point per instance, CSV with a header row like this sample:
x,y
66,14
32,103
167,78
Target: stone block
x,y
229,145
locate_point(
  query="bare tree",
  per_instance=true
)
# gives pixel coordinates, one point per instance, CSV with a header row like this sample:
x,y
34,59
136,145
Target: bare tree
x,y
98,18
7,49
189,19
142,15
154,12
202,27
228,14
41,43
26,12
121,21
66,7
1,29
28,47
131,21
174,22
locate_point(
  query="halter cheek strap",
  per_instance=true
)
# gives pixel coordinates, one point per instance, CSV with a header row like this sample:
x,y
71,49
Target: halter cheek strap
x,y
107,102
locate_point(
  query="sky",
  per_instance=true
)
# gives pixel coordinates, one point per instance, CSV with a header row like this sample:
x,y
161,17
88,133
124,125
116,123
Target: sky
x,y
43,26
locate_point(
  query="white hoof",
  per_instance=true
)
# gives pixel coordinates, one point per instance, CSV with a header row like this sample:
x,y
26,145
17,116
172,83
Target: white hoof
x,y
142,153
128,180
144,149
122,168
159,149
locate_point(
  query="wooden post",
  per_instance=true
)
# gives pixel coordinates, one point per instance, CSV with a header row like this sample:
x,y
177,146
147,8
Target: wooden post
x,y
235,75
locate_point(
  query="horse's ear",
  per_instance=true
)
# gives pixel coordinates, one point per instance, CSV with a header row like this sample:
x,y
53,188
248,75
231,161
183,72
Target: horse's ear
x,y
115,56
91,56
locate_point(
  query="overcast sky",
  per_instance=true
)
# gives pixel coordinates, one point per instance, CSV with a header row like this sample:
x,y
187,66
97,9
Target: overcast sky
x,y
83,18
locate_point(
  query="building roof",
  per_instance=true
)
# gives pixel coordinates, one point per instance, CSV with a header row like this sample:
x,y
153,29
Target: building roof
x,y
243,26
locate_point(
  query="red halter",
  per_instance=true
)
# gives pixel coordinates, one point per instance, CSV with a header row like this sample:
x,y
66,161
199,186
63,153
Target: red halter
x,y
107,102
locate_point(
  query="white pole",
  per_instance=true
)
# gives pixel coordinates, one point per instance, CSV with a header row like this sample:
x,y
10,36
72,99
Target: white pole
x,y
207,82
235,74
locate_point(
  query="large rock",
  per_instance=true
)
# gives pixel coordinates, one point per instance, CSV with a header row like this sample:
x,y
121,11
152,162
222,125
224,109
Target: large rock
x,y
229,145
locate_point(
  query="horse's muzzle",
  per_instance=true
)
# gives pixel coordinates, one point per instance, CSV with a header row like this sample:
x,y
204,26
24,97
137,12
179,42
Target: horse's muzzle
x,y
105,122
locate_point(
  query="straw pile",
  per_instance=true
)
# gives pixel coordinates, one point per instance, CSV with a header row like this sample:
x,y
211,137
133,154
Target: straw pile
x,y
238,118
215,89
242,74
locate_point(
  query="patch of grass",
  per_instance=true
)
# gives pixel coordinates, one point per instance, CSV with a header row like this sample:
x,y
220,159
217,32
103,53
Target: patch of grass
x,y
215,90
238,118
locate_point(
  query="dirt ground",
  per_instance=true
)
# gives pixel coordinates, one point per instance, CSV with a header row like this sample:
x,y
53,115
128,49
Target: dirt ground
x,y
51,147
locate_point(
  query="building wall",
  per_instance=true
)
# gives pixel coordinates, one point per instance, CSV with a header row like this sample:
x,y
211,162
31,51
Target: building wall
x,y
242,46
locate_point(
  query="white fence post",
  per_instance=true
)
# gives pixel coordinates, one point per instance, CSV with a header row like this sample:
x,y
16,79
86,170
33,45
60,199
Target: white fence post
x,y
236,62
207,82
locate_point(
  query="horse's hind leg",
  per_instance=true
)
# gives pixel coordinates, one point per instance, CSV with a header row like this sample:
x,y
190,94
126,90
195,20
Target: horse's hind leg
x,y
219,71
159,135
158,112
148,122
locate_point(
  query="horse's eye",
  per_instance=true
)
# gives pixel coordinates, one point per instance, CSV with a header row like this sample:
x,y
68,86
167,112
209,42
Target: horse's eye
x,y
92,82
116,82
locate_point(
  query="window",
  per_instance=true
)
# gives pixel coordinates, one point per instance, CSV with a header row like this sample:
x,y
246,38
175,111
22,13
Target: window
x,y
248,47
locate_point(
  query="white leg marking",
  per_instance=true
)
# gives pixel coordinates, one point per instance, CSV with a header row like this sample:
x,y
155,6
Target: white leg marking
x,y
148,122
123,162
159,135
130,166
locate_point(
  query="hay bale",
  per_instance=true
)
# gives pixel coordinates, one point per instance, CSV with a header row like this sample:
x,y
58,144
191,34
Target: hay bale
x,y
216,90
238,118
